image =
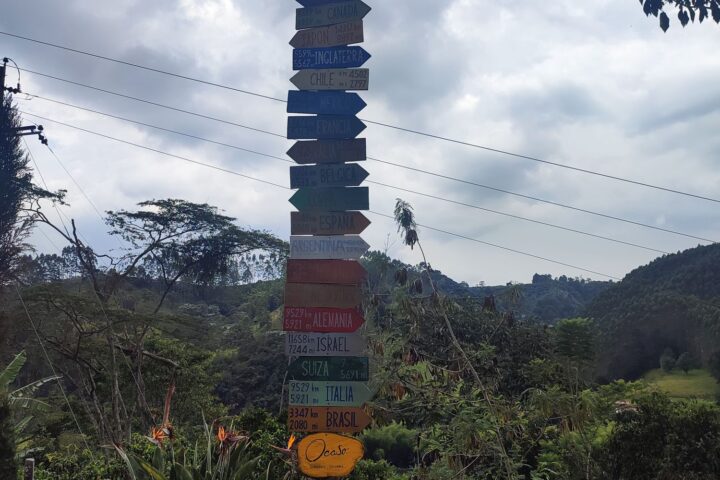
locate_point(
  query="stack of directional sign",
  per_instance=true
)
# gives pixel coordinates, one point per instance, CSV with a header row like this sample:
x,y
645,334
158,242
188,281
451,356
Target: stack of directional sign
x,y
328,370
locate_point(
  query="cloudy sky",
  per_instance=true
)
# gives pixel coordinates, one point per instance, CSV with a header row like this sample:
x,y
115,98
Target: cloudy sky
x,y
595,85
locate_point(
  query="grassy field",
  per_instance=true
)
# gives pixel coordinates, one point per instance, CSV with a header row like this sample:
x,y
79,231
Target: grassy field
x,y
694,384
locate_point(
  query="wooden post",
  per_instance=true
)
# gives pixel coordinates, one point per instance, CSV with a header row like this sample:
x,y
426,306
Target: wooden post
x,y
29,469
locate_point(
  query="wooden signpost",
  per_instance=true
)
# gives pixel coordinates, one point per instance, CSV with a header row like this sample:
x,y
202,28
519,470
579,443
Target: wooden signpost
x,y
327,223
328,151
334,35
330,14
324,103
340,247
328,368
331,57
321,295
325,455
331,198
324,127
308,344
338,272
332,79
320,319
329,394
328,419
334,369
331,175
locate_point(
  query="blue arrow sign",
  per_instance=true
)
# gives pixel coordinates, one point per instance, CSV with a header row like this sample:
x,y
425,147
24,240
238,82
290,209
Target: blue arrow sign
x,y
332,57
326,103
324,127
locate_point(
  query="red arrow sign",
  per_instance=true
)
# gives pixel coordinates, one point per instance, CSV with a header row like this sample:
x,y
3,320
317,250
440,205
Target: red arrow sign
x,y
340,272
322,320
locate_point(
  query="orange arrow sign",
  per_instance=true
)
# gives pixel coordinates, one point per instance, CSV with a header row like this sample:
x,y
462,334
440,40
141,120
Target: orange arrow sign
x,y
328,419
324,455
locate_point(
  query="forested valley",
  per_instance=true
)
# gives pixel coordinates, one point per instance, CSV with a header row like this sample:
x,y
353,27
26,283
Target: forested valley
x,y
163,358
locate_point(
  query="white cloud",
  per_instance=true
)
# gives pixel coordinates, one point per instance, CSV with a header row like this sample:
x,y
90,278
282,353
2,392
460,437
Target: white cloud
x,y
592,84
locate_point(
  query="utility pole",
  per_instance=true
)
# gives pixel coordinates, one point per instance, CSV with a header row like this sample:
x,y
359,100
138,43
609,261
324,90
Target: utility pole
x,y
19,131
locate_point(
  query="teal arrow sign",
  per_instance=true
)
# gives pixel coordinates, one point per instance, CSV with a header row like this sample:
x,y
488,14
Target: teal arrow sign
x,y
329,394
332,199
334,369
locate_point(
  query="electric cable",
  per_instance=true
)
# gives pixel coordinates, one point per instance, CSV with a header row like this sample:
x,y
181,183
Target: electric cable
x,y
287,188
447,177
395,127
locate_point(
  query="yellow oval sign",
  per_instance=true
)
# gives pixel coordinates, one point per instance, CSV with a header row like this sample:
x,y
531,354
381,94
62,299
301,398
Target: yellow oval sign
x,y
324,455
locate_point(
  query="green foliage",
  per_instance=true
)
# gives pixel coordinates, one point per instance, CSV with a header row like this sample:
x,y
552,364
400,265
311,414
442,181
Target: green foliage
x,y
687,10
693,384
376,470
574,340
664,439
73,463
714,365
16,192
671,302
684,362
7,439
667,360
393,442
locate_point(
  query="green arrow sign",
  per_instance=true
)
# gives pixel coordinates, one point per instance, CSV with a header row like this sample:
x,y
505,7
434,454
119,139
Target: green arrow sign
x,y
335,369
329,394
331,198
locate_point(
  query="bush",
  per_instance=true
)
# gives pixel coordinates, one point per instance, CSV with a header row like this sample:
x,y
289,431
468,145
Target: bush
x,y
684,362
394,443
667,360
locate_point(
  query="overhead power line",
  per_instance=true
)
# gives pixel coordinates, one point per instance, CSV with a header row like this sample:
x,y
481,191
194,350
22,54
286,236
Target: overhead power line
x,y
285,160
494,245
439,175
108,137
387,125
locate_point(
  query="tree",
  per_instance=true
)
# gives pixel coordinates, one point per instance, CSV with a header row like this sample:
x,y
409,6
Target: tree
x,y
175,241
667,360
16,191
684,362
687,10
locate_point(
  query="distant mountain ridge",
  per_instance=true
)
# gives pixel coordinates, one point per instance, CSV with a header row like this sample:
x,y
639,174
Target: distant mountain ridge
x,y
545,300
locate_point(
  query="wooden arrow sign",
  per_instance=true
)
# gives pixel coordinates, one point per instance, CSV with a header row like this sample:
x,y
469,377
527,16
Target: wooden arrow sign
x,y
325,455
325,103
315,3
324,344
331,198
324,127
329,175
334,35
334,369
328,419
331,57
321,295
337,272
327,223
347,247
328,151
332,79
330,14
319,319
329,394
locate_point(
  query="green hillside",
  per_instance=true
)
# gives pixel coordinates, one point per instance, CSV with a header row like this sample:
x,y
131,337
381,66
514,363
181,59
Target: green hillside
x,y
673,302
694,384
